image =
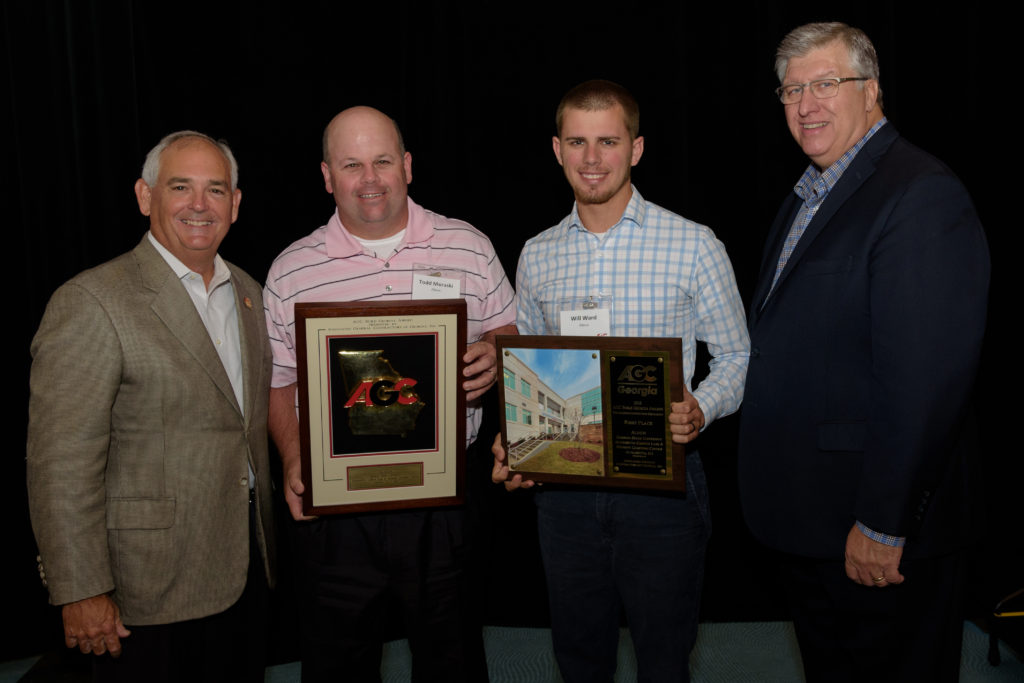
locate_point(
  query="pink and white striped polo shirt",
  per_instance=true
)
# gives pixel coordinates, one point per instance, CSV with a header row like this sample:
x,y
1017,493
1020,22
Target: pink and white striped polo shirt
x,y
330,265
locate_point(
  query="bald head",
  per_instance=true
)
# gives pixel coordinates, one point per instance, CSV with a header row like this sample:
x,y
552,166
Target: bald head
x,y
367,170
356,112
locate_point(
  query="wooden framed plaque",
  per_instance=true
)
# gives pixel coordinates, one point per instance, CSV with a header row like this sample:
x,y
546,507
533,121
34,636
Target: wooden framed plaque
x,y
382,413
592,411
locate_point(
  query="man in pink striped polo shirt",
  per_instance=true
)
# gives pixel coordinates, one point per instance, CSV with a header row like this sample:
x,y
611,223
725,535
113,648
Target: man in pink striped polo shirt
x,y
353,566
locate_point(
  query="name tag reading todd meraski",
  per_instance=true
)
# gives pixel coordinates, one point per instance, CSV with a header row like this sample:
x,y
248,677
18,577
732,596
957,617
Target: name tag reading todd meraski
x,y
435,287
587,322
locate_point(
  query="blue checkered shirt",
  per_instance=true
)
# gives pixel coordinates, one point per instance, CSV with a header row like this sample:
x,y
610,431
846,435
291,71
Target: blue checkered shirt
x,y
663,275
895,541
812,188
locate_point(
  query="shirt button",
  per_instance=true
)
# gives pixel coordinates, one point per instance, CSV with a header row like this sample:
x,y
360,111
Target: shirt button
x,y
387,265
387,288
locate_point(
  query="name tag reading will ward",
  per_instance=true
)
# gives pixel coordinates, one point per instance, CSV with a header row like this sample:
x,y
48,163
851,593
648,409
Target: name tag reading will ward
x,y
587,322
433,287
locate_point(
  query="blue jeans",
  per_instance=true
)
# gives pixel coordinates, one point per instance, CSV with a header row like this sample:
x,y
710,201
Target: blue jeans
x,y
641,552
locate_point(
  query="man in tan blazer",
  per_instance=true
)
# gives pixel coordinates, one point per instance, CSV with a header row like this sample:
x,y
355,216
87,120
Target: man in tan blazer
x,y
147,444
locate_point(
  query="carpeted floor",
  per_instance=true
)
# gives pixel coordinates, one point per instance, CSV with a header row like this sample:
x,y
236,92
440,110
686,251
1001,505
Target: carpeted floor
x,y
726,653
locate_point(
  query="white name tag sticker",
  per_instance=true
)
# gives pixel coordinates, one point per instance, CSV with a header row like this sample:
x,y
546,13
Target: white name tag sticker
x,y
432,287
589,322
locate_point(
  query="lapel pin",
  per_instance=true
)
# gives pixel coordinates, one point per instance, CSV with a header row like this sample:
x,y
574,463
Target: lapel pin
x,y
248,303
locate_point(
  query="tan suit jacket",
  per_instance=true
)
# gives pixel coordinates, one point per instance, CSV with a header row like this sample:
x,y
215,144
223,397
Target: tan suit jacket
x,y
138,453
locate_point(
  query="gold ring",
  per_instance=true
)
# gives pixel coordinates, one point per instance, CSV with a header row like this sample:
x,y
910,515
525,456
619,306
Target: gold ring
x,y
880,579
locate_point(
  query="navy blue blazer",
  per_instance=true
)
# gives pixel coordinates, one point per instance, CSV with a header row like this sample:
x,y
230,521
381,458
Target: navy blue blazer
x,y
863,360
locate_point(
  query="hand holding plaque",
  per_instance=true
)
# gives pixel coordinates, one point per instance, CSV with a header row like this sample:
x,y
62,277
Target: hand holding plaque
x,y
686,419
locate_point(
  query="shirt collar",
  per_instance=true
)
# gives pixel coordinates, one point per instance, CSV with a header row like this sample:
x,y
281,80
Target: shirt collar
x,y
341,243
635,212
221,273
815,185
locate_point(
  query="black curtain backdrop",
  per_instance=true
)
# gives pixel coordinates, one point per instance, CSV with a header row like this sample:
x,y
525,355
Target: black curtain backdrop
x,y
91,85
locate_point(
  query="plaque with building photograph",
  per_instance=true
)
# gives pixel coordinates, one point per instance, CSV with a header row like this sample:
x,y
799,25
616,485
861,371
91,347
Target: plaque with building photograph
x,y
591,411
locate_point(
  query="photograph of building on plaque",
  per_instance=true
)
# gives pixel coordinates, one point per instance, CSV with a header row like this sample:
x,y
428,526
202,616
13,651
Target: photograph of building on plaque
x,y
553,415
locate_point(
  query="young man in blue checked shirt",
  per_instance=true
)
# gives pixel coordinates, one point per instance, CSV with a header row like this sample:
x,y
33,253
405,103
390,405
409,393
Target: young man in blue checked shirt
x,y
651,273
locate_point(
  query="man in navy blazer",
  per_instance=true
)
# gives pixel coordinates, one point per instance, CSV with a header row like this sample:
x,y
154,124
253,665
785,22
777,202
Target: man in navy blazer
x,y
866,328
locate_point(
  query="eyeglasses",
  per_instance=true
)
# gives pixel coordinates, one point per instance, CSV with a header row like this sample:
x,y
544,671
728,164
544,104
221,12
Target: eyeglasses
x,y
822,89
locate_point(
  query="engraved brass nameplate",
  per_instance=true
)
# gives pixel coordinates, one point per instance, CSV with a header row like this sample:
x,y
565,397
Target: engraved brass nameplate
x,y
385,476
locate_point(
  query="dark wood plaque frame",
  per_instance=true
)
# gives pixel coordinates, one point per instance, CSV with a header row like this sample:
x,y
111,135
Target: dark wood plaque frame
x,y
444,318
666,348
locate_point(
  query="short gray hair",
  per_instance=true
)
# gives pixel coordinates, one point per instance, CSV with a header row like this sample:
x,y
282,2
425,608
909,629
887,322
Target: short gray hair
x,y
802,40
151,167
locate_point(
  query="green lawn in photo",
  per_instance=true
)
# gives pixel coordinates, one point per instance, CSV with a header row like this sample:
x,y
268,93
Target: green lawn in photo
x,y
549,460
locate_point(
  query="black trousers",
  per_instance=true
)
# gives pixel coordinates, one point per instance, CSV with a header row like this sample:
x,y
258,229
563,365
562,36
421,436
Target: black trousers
x,y
356,571
907,632
228,646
